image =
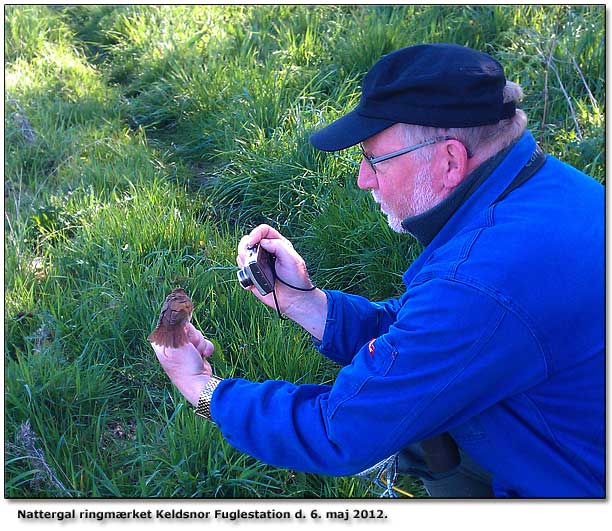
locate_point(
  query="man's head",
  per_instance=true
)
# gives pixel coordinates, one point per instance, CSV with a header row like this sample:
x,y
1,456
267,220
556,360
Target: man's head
x,y
451,94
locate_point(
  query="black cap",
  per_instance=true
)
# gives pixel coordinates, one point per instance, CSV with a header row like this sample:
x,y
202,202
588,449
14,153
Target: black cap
x,y
437,85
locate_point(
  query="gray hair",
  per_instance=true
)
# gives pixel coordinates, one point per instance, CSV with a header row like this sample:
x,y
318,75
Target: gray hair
x,y
485,140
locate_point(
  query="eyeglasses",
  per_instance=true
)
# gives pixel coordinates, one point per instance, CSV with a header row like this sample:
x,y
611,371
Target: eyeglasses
x,y
375,160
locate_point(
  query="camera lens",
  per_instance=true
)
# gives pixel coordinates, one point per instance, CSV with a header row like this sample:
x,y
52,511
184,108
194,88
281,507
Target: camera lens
x,y
244,279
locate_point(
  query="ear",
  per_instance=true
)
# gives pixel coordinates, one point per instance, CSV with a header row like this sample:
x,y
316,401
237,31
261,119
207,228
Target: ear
x,y
455,164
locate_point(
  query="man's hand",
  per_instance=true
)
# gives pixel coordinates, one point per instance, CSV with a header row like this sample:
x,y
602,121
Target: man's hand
x,y
187,366
290,266
307,308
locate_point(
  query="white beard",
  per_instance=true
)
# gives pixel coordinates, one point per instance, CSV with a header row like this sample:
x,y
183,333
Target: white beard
x,y
423,199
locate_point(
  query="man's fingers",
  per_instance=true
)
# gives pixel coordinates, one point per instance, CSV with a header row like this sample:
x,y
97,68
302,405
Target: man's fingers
x,y
272,246
242,246
207,349
194,335
197,339
192,331
260,232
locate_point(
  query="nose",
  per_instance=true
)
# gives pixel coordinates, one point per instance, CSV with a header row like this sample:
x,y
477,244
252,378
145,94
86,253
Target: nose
x,y
367,178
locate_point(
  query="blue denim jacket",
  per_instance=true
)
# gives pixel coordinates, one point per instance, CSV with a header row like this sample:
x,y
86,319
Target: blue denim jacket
x,y
498,339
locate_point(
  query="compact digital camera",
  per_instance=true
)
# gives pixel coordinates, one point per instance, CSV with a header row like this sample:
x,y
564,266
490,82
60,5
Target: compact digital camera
x,y
257,270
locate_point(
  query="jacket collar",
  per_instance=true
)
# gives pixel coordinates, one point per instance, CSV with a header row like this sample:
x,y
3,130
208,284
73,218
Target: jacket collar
x,y
425,226
479,201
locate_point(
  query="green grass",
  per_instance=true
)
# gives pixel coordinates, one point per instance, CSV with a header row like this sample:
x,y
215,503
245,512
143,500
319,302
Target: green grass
x,y
141,142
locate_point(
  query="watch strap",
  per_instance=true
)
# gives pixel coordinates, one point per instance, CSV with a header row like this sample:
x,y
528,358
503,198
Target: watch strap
x,y
203,408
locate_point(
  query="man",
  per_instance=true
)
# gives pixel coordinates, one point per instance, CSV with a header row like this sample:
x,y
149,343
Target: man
x,y
487,374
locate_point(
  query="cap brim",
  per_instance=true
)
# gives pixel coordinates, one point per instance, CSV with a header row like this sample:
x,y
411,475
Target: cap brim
x,y
347,131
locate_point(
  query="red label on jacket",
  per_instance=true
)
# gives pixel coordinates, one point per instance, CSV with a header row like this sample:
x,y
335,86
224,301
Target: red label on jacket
x,y
371,347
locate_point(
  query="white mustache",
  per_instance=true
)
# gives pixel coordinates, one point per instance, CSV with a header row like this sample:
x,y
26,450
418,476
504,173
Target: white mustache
x,y
378,201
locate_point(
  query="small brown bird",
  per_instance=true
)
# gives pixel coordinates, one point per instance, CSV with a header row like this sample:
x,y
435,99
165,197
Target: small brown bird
x,y
175,314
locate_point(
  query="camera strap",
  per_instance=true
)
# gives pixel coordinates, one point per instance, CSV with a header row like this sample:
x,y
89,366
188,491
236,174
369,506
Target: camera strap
x,y
275,277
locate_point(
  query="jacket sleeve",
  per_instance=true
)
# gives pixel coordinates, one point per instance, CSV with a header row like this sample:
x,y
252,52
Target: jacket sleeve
x,y
453,352
353,321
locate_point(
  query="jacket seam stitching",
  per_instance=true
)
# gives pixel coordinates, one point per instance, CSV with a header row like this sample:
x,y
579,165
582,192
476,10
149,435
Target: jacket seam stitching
x,y
556,441
423,405
465,251
516,310
357,389
491,292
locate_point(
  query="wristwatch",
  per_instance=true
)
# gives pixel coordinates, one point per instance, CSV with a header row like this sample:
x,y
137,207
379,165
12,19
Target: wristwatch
x,y
203,409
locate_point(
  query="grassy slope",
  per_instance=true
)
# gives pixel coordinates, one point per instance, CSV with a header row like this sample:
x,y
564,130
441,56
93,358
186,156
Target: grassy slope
x,y
141,142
